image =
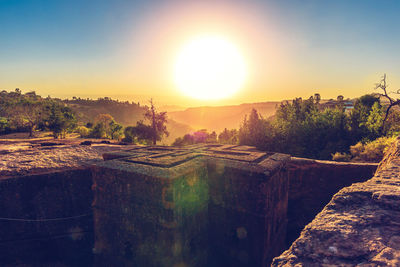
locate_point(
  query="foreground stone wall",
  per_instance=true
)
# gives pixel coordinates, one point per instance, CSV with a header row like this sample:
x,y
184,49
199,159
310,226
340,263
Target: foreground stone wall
x,y
312,183
46,217
204,205
360,225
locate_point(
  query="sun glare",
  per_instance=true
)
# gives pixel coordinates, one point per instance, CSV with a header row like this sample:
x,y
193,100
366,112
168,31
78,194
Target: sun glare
x,y
210,67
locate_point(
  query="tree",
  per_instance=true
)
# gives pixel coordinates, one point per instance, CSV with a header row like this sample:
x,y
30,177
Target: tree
x,y
317,98
24,111
200,136
212,137
105,127
368,100
375,120
29,112
228,136
253,130
392,123
158,122
98,131
60,119
115,130
128,135
102,125
392,102
83,131
4,125
299,128
187,139
359,117
141,133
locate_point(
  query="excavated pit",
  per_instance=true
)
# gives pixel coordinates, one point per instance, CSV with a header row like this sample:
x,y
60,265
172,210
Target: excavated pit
x,y
199,205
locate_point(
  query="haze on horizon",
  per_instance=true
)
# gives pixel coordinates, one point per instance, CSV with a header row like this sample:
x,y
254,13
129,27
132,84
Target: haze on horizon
x,y
128,49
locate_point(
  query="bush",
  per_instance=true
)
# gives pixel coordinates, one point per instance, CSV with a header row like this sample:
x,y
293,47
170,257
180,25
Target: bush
x,y
201,136
372,151
228,137
141,133
128,135
344,157
4,125
83,131
98,131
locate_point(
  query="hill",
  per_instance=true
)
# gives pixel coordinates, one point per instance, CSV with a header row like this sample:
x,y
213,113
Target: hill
x,y
124,112
220,117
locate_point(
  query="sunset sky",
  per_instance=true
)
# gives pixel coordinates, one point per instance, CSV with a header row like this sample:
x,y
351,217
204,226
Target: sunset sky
x,y
128,49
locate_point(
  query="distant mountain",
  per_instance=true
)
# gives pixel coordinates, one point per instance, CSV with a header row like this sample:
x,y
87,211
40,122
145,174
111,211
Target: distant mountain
x,y
171,108
220,117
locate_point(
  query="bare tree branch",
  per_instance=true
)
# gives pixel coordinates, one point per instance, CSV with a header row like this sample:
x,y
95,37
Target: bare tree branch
x,y
392,102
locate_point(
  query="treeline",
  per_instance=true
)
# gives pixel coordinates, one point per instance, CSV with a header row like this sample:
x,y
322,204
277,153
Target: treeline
x,y
101,101
30,112
87,110
203,136
307,128
301,128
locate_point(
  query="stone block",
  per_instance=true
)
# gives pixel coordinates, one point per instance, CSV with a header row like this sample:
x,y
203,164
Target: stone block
x,y
151,211
203,205
248,204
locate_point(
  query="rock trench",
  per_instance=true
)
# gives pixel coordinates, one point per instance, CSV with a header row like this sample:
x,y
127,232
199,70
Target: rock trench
x,y
358,227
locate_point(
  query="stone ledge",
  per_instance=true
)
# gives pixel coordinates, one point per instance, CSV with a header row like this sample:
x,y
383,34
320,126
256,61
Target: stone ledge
x,y
360,225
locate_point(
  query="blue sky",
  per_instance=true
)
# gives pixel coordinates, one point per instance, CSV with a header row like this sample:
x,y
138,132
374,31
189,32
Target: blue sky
x,y
332,46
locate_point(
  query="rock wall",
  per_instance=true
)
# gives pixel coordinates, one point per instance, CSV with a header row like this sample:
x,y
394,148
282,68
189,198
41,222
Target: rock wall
x,y
359,226
312,183
46,218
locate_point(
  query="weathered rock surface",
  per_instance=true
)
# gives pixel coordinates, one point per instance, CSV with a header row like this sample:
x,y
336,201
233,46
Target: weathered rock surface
x,y
312,184
360,226
20,159
46,218
45,204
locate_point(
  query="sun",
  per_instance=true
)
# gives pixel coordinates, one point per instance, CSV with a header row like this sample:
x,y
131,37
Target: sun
x,y
209,67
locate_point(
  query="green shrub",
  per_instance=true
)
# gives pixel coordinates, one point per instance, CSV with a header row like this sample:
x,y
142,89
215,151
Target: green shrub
x,y
344,157
372,151
98,131
4,124
83,131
